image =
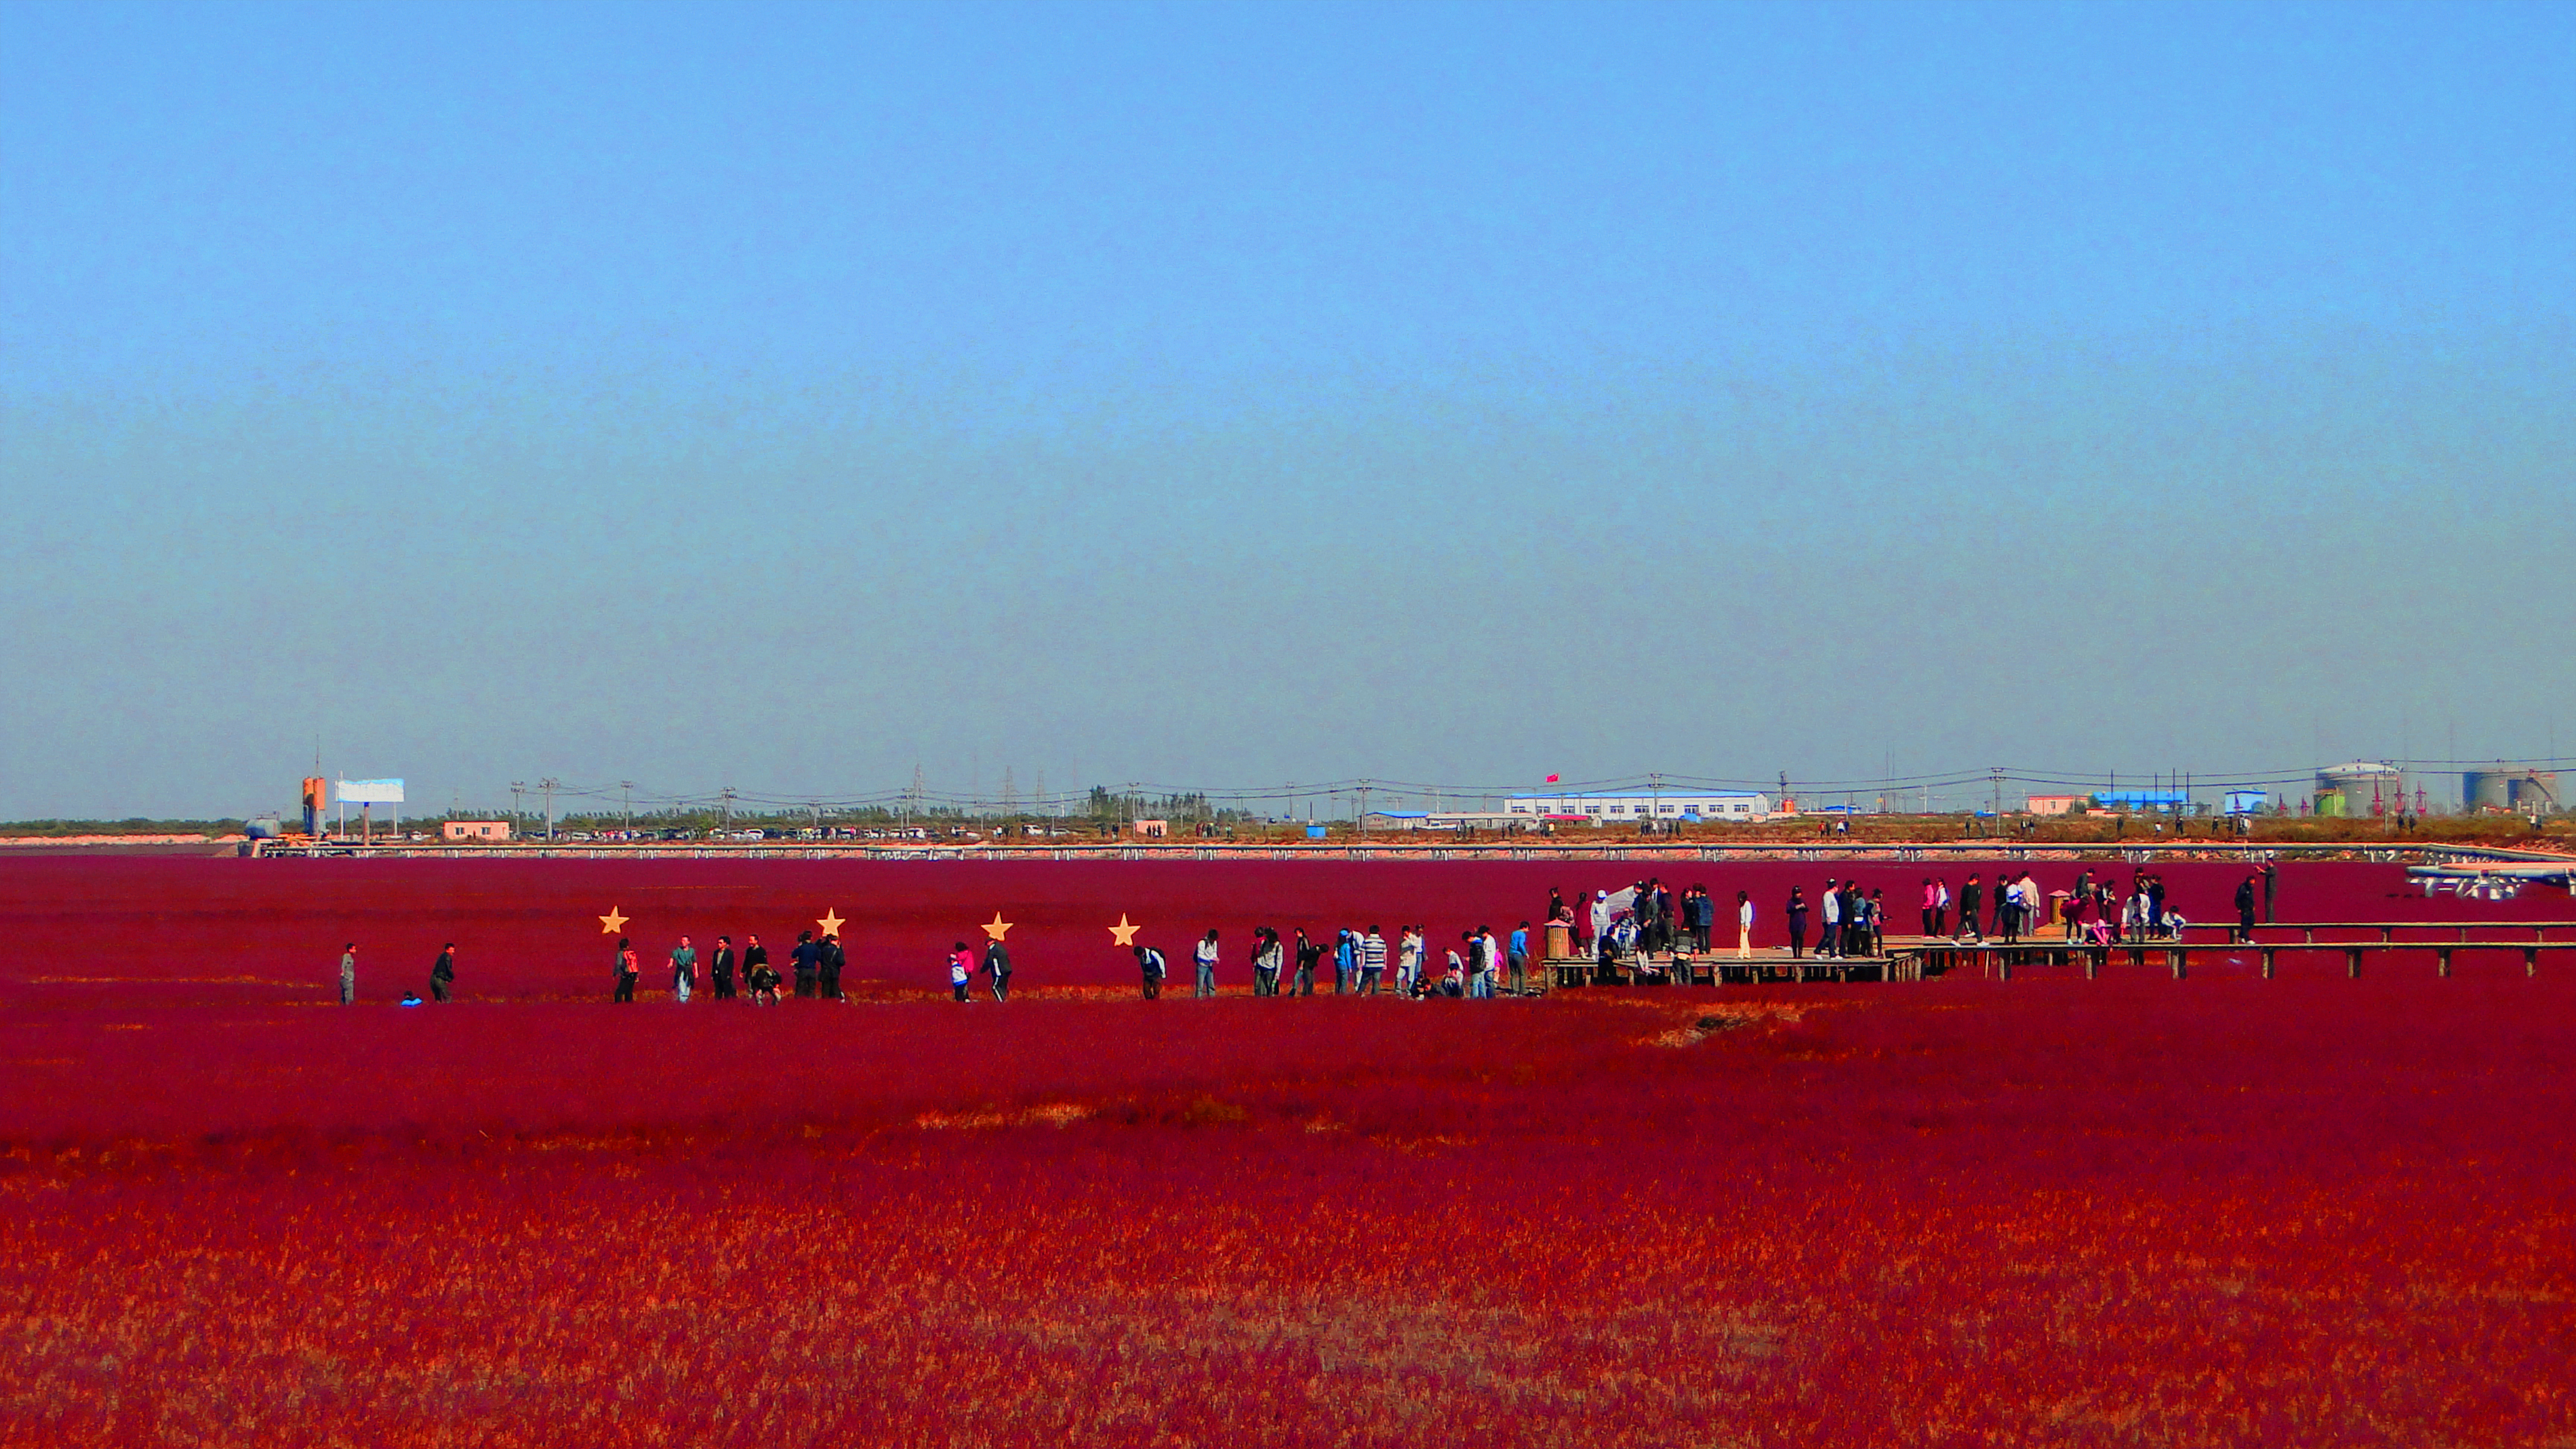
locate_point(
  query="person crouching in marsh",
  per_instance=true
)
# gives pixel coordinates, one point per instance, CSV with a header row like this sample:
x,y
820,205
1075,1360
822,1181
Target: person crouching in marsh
x,y
1149,965
443,974
627,969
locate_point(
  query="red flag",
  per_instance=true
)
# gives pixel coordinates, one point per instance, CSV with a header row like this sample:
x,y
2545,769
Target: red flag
x,y
1551,779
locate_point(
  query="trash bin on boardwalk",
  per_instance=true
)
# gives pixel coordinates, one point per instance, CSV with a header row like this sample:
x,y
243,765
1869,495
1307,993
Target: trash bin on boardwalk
x,y
1560,941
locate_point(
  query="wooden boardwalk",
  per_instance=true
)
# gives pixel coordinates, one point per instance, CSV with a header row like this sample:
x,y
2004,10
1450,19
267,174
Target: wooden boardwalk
x,y
1917,958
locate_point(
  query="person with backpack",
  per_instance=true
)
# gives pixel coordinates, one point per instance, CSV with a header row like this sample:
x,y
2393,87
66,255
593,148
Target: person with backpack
x,y
829,959
627,970
961,972
1346,962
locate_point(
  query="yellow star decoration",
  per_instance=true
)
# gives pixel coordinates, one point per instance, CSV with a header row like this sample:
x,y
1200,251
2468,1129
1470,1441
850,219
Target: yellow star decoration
x,y
612,923
830,921
1123,933
997,928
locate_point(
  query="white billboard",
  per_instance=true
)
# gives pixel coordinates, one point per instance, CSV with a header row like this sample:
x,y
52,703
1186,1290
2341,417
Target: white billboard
x,y
371,792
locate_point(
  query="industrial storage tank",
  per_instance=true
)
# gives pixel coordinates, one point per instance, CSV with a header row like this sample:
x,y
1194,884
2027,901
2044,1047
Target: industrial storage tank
x,y
2535,792
2488,789
2522,791
2349,789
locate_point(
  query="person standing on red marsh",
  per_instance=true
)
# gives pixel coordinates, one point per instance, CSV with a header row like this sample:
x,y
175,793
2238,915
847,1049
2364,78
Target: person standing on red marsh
x,y
442,975
684,970
961,972
628,968
349,973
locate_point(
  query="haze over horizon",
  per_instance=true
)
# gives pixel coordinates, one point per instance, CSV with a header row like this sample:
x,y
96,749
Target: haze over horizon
x,y
785,398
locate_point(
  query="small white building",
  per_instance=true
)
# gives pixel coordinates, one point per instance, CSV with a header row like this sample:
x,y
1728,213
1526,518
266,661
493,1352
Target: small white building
x,y
1667,806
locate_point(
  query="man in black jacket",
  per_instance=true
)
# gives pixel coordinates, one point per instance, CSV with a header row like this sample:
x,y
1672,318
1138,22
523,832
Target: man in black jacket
x,y
720,969
832,959
997,965
2245,911
442,975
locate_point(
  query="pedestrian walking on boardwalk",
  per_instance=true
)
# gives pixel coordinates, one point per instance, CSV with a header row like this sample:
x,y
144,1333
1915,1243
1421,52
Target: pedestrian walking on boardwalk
x,y
1744,925
1829,934
2245,910
1796,911
627,970
442,975
1971,895
349,973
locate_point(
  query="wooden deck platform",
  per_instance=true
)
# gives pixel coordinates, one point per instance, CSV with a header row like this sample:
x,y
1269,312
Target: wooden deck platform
x,y
1917,958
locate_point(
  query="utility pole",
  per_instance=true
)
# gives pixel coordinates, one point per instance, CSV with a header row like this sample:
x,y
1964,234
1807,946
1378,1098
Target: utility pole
x,y
1999,792
518,806
549,784
629,787
1360,826
724,799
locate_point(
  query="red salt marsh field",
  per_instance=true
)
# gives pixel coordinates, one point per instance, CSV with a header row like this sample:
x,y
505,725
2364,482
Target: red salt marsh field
x,y
101,930
2221,1211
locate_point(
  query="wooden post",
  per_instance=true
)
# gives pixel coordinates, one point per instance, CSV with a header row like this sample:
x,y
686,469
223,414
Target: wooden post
x,y
2003,965
2267,963
2531,960
2177,954
2443,955
2093,965
2352,962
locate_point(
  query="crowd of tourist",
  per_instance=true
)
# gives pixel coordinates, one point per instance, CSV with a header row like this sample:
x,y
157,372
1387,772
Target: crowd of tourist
x,y
1644,928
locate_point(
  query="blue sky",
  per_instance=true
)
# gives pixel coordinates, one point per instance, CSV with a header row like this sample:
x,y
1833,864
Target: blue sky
x,y
787,396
